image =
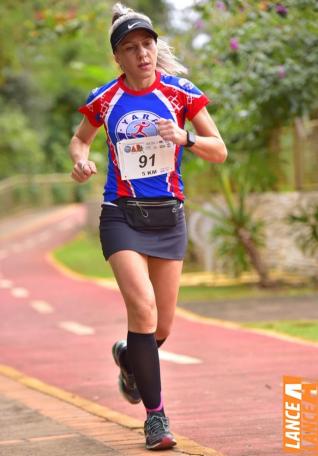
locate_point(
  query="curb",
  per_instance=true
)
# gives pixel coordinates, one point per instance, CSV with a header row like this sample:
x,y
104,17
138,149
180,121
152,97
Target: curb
x,y
185,445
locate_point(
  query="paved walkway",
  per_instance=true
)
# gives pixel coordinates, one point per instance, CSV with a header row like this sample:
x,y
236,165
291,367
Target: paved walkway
x,y
37,424
222,385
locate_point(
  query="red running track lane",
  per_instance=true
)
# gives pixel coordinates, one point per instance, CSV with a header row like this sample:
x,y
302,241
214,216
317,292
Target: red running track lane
x,y
230,402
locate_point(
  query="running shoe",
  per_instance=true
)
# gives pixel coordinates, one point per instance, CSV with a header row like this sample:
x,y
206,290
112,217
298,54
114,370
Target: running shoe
x,y
157,433
126,380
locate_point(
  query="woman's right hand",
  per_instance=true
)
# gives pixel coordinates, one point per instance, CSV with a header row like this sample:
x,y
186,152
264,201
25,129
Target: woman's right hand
x,y
83,170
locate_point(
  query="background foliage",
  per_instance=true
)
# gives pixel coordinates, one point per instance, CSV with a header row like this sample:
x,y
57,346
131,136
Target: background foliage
x,y
259,65
57,52
257,60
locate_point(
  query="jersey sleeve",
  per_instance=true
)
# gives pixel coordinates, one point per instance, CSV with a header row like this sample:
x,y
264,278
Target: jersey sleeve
x,y
92,109
195,98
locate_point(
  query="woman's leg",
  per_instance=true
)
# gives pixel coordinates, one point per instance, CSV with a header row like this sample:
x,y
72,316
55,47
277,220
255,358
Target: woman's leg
x,y
132,274
165,278
131,271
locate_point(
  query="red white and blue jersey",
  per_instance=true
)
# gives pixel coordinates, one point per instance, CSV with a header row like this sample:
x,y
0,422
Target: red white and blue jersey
x,y
127,114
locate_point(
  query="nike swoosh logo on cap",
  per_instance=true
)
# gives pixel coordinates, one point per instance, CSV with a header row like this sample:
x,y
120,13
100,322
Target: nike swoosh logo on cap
x,y
133,25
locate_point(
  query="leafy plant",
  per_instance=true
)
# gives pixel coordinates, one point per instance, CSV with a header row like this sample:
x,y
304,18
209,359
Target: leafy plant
x,y
239,236
305,221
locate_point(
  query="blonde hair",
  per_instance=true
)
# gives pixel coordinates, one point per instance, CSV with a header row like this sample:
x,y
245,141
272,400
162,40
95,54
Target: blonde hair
x,y
167,62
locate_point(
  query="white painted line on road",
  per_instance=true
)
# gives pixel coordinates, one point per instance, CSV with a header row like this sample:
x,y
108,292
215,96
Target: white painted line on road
x,y
66,225
19,292
44,236
3,254
42,307
4,283
178,359
16,248
30,243
77,328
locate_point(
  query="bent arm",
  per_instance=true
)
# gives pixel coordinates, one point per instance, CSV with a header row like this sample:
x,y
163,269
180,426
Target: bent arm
x,y
209,144
79,148
81,141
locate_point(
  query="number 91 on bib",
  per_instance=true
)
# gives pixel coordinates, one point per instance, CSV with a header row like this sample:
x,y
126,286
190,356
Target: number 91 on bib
x,y
145,157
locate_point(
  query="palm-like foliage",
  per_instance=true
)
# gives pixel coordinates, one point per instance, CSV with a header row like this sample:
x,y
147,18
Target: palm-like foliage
x,y
237,233
305,222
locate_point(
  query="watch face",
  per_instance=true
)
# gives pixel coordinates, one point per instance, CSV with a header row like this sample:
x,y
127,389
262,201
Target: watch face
x,y
191,139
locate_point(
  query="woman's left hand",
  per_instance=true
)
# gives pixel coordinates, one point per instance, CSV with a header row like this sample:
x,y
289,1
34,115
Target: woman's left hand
x,y
170,131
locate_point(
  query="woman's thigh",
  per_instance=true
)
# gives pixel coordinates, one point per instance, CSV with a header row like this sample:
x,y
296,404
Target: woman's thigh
x,y
165,278
132,275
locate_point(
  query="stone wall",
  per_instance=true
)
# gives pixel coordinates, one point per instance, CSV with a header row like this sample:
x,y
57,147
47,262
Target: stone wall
x,y
281,251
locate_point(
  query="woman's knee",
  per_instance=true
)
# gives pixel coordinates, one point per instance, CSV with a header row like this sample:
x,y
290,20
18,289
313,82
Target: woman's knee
x,y
142,313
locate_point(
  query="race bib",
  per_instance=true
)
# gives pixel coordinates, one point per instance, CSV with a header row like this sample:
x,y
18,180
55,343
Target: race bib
x,y
145,157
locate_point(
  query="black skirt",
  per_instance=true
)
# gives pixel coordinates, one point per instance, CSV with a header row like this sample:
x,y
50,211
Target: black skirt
x,y
116,235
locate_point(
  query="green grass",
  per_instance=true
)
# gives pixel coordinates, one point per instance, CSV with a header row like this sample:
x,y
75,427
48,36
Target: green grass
x,y
84,255
304,329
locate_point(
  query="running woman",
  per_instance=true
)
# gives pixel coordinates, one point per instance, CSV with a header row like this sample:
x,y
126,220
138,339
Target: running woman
x,y
142,223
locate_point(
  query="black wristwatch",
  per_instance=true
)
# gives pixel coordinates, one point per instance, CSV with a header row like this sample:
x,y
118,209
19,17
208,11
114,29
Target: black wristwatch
x,y
190,139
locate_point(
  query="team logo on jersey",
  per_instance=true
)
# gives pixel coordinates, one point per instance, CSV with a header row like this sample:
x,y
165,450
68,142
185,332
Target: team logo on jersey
x,y
185,84
137,124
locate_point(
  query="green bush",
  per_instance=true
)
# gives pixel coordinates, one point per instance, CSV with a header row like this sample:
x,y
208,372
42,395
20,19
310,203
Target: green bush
x,y
20,150
61,193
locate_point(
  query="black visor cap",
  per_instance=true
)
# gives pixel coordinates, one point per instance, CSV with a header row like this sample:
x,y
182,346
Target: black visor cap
x,y
129,26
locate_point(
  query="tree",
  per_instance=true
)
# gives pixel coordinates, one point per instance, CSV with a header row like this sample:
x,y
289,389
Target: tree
x,y
259,66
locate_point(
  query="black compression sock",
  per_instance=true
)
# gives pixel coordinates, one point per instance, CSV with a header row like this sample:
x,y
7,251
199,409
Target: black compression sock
x,y
144,359
160,342
125,360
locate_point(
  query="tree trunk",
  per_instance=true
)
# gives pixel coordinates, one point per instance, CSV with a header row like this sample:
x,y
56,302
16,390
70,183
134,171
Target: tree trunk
x,y
274,149
299,135
254,256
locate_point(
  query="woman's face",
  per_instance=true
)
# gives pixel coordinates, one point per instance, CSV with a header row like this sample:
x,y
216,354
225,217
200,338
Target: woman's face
x,y
137,54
